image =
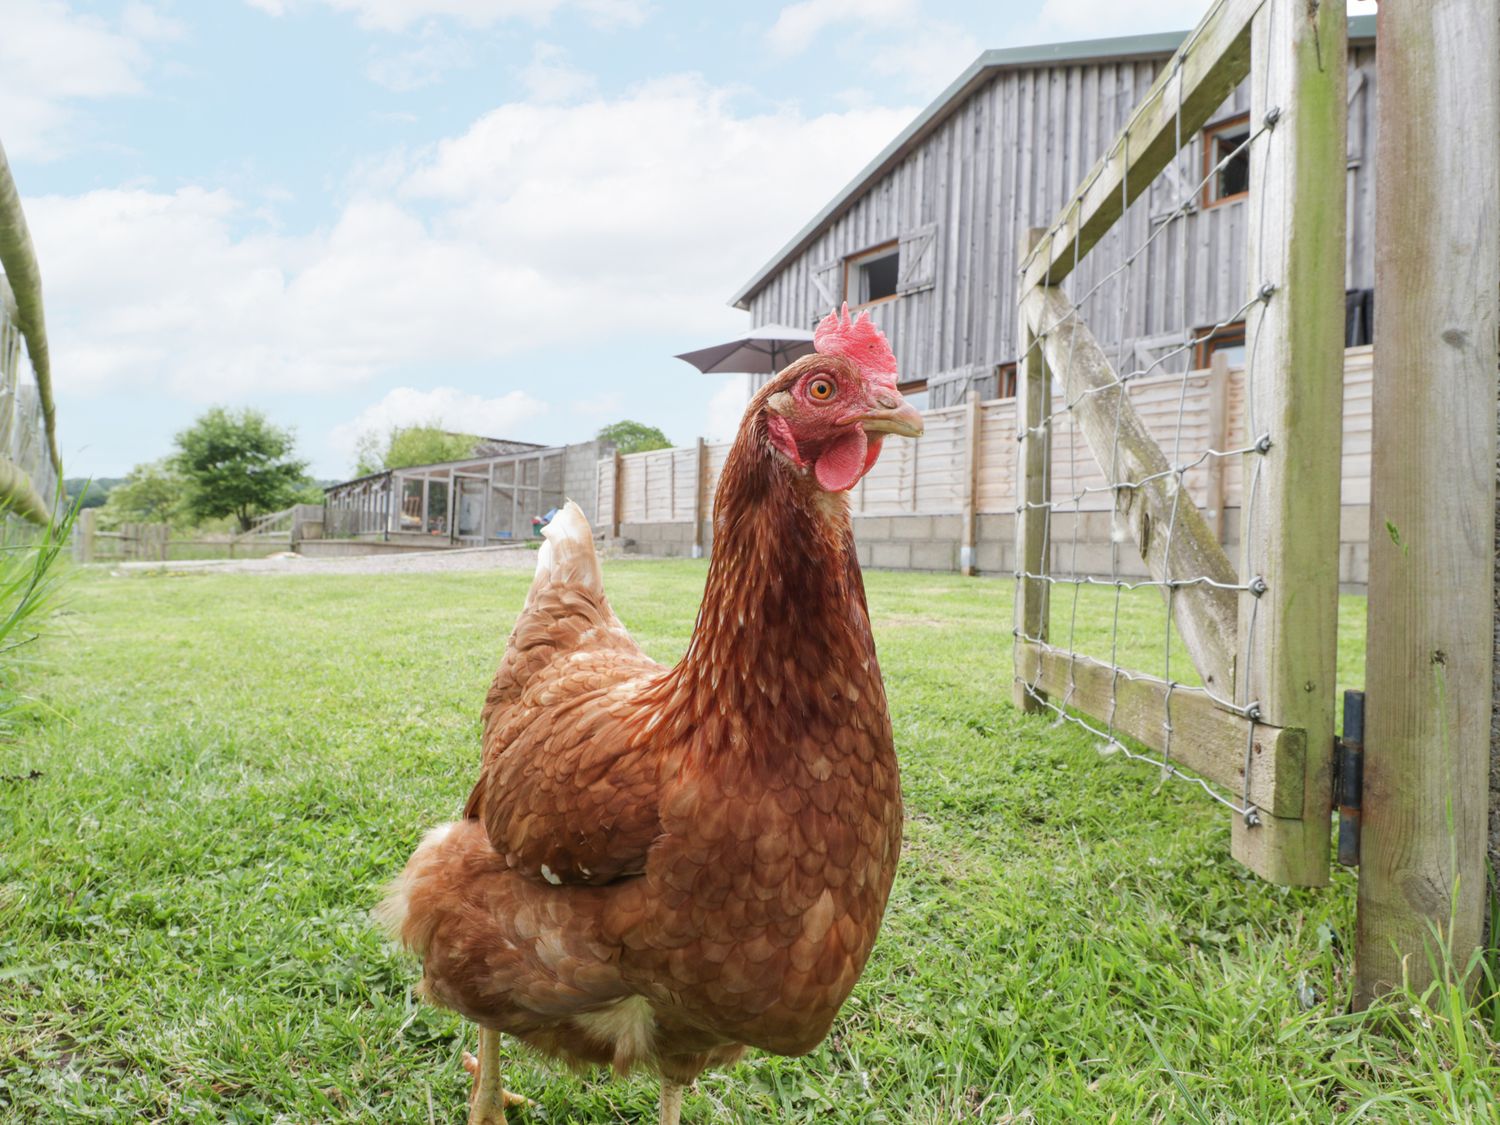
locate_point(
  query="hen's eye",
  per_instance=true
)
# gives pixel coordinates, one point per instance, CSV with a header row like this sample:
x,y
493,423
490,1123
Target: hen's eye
x,y
821,390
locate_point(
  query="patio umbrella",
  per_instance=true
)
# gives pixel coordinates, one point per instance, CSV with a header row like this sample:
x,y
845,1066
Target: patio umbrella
x,y
761,351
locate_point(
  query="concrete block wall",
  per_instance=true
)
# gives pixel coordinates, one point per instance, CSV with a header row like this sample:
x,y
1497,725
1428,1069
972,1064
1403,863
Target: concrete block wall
x,y
931,543
663,540
581,474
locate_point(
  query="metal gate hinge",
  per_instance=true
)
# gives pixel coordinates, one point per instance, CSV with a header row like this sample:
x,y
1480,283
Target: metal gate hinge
x,y
1349,776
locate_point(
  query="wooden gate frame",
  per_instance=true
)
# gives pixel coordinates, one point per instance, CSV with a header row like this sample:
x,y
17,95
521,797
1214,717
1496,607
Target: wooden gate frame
x,y
1277,631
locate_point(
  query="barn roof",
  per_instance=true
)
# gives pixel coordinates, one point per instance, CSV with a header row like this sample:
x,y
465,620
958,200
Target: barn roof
x,y
978,74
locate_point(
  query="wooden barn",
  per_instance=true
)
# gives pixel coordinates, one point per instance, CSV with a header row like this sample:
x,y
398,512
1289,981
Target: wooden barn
x,y
929,235
929,238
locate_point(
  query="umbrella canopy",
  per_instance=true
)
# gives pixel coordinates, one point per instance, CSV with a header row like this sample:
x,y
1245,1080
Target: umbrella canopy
x,y
761,351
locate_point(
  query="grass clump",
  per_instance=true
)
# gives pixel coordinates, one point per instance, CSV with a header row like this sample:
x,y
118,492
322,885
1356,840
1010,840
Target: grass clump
x,y
237,763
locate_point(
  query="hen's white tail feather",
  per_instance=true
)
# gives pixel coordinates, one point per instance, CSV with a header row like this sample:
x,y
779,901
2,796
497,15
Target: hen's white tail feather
x,y
567,556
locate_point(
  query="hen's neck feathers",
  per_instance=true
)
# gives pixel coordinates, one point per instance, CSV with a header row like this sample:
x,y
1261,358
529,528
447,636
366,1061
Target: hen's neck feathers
x,y
782,645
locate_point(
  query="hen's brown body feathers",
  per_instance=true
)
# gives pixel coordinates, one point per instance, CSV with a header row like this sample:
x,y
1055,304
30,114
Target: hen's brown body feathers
x,y
658,865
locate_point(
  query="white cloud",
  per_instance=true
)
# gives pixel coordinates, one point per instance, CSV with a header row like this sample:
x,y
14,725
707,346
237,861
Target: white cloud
x,y
727,408
798,25
928,59
885,38
52,57
435,54
398,15
572,227
547,78
448,407
1093,19
597,406
657,192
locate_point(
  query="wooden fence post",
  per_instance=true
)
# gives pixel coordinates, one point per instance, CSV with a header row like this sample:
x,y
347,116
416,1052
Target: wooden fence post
x,y
1429,664
619,500
969,486
1294,394
700,497
1219,438
83,535
1033,489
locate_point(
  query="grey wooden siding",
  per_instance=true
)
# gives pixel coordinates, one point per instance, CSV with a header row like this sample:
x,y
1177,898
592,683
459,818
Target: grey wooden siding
x,y
1007,159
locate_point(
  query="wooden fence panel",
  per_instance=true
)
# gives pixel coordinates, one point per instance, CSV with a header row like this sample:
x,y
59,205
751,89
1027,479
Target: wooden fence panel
x,y
1359,385
604,494
997,457
684,463
940,461
926,477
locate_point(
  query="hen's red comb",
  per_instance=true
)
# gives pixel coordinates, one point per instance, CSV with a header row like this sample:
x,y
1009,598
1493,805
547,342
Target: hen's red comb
x,y
858,341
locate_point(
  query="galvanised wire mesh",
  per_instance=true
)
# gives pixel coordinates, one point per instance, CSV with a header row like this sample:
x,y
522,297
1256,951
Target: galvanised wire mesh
x,y
1084,586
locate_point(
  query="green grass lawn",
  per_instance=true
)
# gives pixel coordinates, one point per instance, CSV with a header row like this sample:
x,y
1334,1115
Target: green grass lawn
x,y
232,765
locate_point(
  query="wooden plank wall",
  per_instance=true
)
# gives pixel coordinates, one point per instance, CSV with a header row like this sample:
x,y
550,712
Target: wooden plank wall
x,y
1007,159
925,477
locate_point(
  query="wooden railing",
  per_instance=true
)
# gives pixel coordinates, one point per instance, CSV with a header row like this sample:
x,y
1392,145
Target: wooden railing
x,y
30,467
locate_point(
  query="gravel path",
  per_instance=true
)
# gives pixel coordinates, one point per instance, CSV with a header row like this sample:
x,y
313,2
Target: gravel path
x,y
423,562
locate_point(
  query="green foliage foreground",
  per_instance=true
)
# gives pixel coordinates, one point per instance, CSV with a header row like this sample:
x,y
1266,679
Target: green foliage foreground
x,y
235,764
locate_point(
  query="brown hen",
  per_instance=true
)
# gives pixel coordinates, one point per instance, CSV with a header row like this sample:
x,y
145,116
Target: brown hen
x,y
661,867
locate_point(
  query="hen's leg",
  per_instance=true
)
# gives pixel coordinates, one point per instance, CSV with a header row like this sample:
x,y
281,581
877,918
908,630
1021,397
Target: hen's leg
x,y
487,1098
671,1102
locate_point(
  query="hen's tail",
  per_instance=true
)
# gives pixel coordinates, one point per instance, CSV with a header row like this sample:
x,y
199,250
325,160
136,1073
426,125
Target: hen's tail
x,y
432,883
568,556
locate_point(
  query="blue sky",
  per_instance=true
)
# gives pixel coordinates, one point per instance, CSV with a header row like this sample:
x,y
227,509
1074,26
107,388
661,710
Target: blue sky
x,y
502,215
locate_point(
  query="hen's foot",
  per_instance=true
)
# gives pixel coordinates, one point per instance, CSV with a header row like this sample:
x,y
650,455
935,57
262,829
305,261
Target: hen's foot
x,y
471,1064
487,1098
671,1102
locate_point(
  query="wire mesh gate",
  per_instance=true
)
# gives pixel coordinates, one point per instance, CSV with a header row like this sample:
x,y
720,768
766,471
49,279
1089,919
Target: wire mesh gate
x,y
1240,697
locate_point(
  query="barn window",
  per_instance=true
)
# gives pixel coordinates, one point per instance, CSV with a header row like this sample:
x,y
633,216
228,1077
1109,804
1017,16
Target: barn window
x,y
1229,338
914,392
1005,380
871,276
1226,160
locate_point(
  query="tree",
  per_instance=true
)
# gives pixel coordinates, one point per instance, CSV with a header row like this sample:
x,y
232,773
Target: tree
x,y
236,463
152,492
633,437
402,446
94,491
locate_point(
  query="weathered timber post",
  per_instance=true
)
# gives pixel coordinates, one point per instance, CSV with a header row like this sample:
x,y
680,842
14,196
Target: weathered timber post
x,y
700,497
1294,394
1219,438
618,503
83,535
969,486
1033,489
1429,665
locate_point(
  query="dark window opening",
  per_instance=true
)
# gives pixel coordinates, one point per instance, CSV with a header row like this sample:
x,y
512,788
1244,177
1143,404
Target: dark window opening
x,y
877,279
1226,160
1230,339
1005,380
871,276
437,507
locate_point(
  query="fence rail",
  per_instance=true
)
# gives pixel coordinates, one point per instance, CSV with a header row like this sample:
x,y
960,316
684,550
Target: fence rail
x,y
1260,635
155,542
30,465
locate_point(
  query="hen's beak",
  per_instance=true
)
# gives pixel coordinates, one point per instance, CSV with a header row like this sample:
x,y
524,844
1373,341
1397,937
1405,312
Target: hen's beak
x,y
893,415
